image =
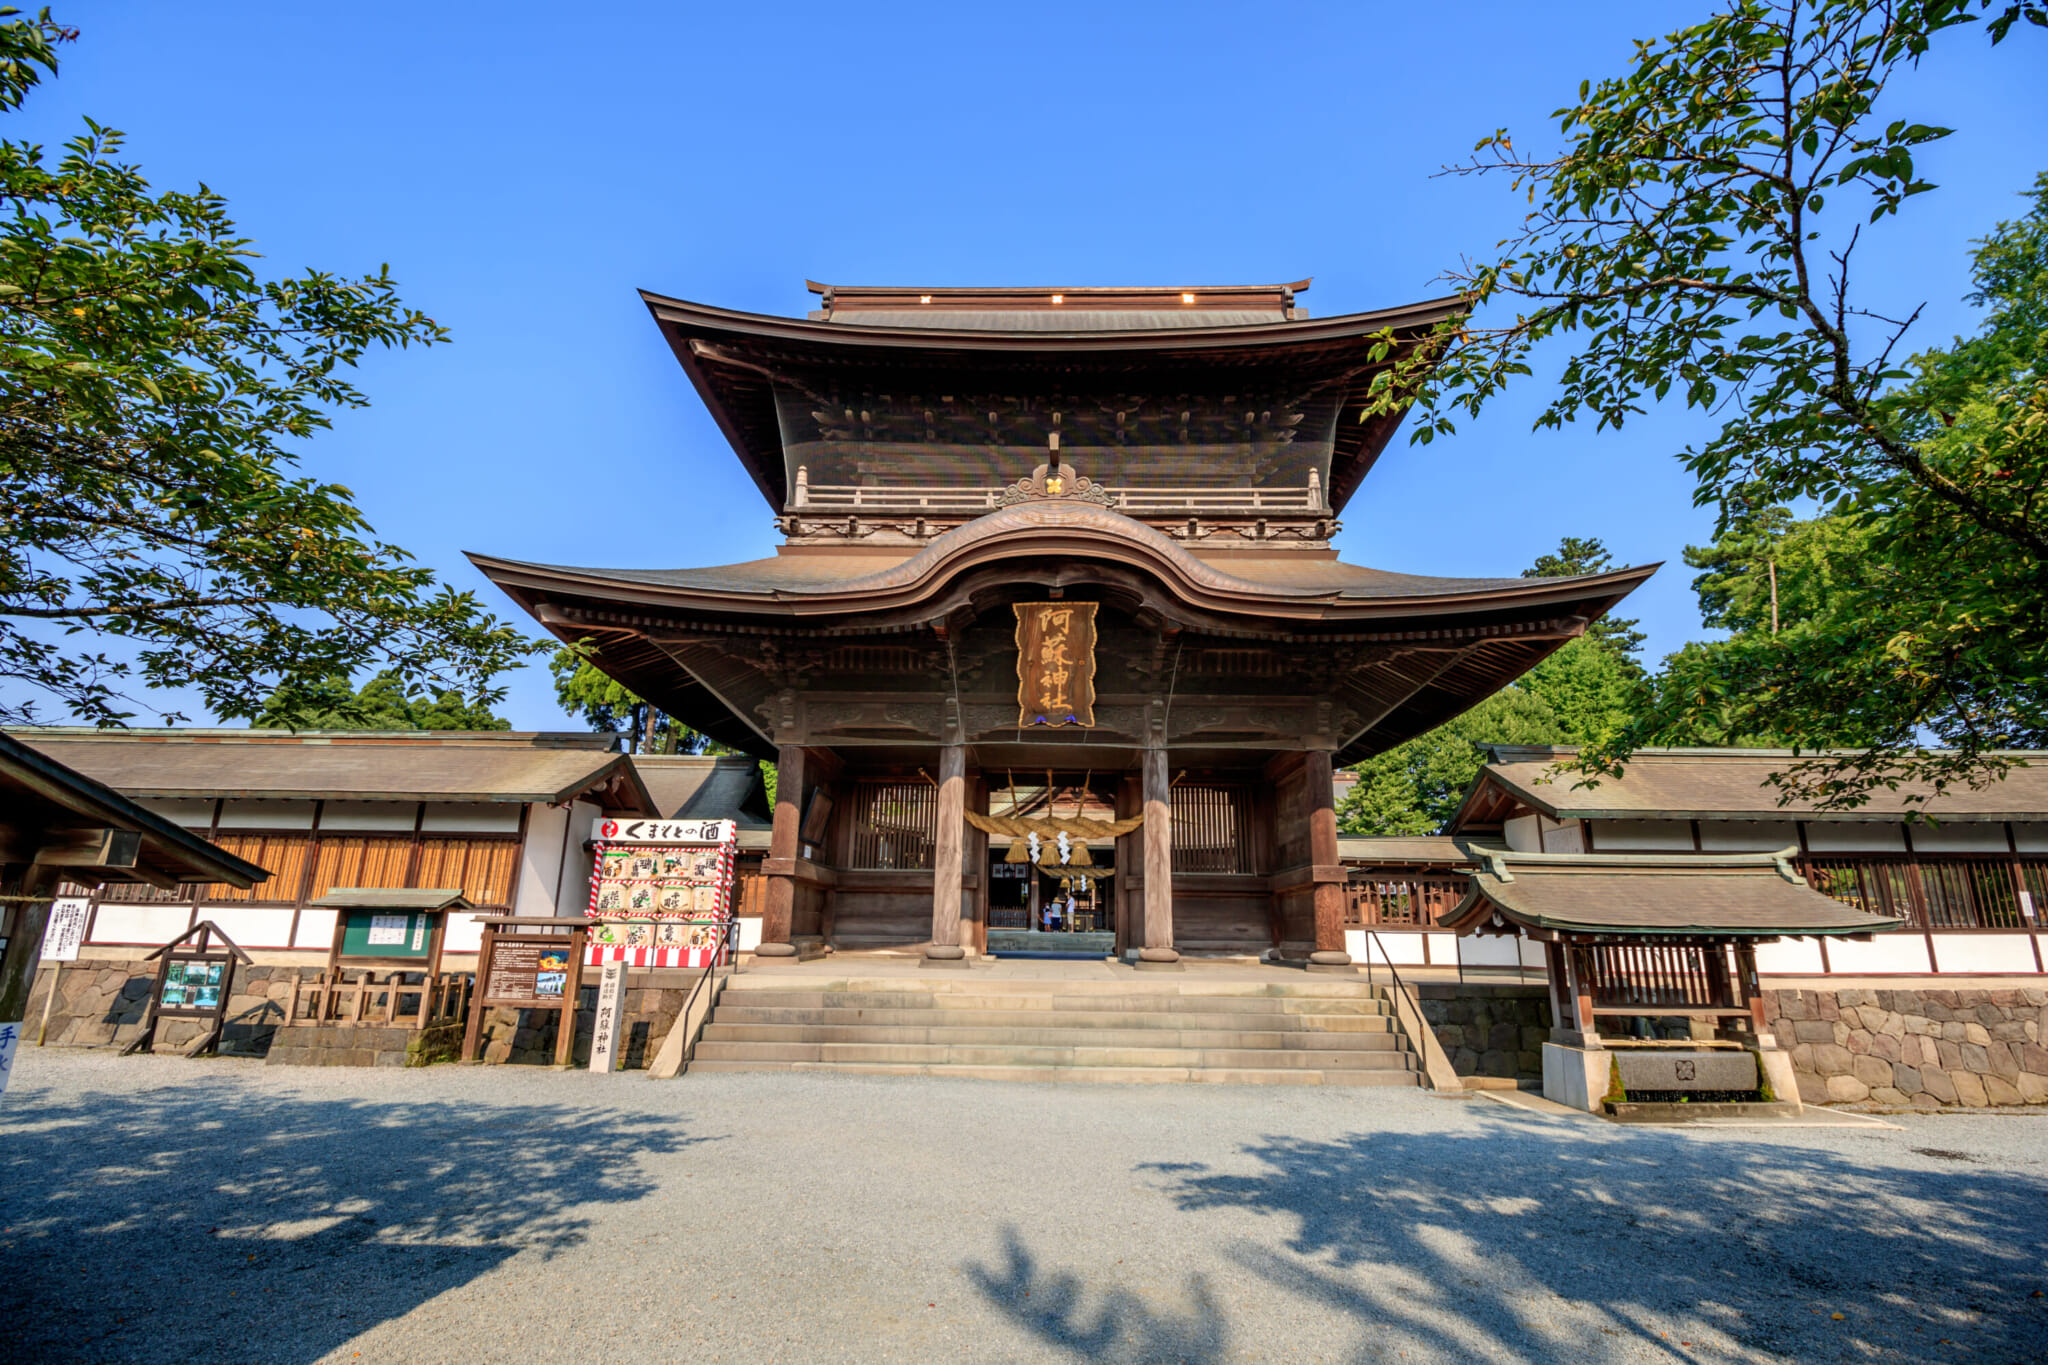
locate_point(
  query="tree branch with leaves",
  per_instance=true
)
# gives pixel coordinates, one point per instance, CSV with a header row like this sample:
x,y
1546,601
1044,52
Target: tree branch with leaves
x,y
1697,235
155,394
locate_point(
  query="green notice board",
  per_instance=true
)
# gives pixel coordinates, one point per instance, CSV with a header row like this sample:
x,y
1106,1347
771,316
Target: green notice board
x,y
388,933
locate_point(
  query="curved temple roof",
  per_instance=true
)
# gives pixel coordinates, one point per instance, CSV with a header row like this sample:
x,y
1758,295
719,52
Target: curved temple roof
x,y
637,615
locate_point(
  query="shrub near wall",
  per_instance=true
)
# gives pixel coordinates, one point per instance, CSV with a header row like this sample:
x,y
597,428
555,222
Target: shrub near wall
x,y
1917,1048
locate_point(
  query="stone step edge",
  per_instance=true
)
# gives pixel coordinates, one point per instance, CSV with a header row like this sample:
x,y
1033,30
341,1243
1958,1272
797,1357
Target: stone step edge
x,y
1079,1074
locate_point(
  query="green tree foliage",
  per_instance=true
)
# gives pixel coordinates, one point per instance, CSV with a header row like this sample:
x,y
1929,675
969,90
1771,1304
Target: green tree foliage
x,y
1415,787
1696,235
1581,693
382,704
1899,617
154,392
1577,556
603,703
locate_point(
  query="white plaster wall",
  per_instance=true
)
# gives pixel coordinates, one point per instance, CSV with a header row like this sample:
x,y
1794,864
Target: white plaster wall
x,y
190,814
2031,836
1958,837
2003,954
1894,952
1624,836
316,930
154,925
253,926
1854,836
266,815
1521,834
465,933
540,861
1789,957
472,817
750,933
390,815
574,897
1747,836
1496,950
1560,836
1404,949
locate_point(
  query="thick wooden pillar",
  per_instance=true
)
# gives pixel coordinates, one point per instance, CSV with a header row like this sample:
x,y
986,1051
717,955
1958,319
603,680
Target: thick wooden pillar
x,y
1158,837
1327,864
779,905
974,916
944,950
1130,859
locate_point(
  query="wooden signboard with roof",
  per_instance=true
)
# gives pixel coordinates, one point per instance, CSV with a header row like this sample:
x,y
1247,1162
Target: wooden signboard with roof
x,y
195,976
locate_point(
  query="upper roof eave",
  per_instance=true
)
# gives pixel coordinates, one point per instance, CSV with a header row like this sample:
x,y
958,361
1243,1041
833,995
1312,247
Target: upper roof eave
x,y
853,336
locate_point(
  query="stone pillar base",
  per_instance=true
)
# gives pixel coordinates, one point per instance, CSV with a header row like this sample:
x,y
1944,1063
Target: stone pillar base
x,y
945,955
1776,1065
1576,1077
1158,960
775,950
1330,960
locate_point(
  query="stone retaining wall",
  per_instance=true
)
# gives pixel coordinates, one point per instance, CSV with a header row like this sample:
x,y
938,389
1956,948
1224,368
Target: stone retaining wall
x,y
1494,1031
1919,1048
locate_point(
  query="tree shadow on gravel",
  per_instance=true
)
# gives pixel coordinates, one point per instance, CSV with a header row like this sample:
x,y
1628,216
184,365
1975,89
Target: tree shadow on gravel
x,y
1116,1327
1527,1239
209,1221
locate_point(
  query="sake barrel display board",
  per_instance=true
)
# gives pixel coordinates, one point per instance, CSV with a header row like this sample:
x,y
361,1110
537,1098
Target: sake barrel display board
x,y
661,891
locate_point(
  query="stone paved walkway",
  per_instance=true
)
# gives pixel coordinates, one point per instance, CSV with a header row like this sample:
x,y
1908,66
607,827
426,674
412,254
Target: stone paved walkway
x,y
155,1209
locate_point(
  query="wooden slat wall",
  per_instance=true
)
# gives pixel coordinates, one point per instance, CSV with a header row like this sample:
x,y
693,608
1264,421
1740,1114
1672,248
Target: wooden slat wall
x,y
285,855
1212,829
894,825
484,869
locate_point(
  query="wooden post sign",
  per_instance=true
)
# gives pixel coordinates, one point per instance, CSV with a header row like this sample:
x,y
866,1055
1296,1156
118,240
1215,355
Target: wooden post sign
x,y
529,963
661,891
1055,663
193,981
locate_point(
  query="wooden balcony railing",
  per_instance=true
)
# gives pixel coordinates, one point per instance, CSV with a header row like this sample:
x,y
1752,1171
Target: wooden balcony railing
x,y
1938,892
844,497
1401,902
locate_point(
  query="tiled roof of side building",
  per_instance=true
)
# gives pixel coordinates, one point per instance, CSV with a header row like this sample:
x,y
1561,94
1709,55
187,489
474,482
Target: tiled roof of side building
x,y
1731,784
1754,895
494,766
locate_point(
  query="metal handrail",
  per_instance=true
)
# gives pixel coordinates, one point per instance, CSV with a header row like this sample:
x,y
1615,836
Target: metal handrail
x,y
728,940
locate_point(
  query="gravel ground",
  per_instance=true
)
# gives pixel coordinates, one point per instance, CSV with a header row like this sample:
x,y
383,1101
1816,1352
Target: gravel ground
x,y
155,1209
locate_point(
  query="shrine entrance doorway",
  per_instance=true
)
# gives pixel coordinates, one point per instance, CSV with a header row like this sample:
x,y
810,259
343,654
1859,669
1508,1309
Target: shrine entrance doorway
x,y
1057,893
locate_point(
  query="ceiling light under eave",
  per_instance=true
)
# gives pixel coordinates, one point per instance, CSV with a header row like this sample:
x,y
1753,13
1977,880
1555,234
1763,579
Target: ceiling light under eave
x,y
1059,298
1187,298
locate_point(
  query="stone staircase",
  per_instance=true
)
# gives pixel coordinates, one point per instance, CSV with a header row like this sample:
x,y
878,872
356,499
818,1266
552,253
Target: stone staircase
x,y
1302,1032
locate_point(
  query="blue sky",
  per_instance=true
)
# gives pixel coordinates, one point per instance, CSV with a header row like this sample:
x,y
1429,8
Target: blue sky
x,y
524,169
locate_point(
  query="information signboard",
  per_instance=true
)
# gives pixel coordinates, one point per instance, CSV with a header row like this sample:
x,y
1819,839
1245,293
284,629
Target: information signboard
x,y
66,929
661,891
523,972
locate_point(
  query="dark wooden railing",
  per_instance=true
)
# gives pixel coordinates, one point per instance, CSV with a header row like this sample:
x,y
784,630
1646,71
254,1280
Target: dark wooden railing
x,y
1401,902
1638,976
1950,892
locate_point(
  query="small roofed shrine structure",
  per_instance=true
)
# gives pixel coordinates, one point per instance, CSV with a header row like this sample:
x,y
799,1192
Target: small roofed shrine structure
x,y
1072,541
1630,938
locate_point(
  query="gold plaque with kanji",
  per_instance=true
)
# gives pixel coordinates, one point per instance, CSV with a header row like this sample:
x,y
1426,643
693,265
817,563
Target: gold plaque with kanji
x,y
1055,663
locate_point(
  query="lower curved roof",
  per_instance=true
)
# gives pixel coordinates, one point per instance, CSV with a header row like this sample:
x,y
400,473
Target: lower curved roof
x,y
1396,653
1293,586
